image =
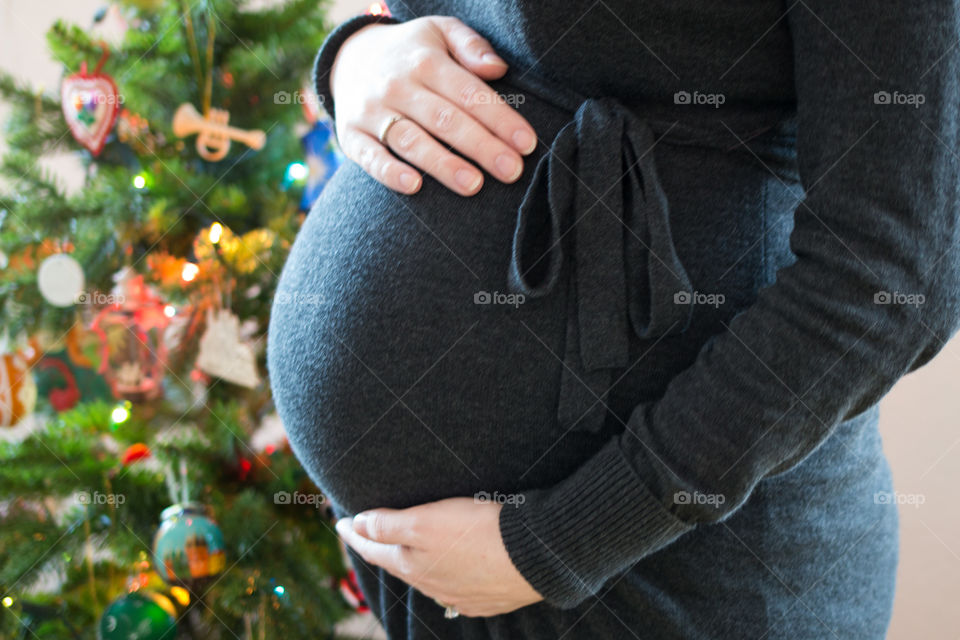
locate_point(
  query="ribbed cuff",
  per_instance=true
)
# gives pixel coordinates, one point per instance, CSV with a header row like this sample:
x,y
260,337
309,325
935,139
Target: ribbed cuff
x,y
568,540
330,48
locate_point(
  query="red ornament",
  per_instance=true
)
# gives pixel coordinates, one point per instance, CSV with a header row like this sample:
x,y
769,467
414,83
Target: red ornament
x,y
350,591
133,352
135,452
90,102
66,397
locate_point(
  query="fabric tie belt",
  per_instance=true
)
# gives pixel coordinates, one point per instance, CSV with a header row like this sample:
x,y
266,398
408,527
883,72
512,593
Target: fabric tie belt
x,y
596,191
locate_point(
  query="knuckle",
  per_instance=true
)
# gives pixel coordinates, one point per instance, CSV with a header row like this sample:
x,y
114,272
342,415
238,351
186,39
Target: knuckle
x,y
393,87
408,138
468,94
473,42
445,118
375,523
423,62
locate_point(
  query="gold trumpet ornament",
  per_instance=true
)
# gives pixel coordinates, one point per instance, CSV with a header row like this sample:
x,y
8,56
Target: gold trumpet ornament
x,y
213,132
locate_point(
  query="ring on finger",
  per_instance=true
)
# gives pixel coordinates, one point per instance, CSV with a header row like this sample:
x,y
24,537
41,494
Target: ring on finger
x,y
385,129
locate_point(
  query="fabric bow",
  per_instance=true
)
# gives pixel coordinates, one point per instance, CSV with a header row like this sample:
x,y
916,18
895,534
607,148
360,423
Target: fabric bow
x,y
595,190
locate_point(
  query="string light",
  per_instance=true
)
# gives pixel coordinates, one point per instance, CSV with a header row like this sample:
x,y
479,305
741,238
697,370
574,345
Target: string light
x,y
279,590
7,602
120,414
169,311
216,230
139,181
181,595
189,272
296,172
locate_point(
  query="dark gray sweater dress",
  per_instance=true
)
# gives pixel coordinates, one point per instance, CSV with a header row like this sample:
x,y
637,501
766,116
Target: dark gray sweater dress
x,y
739,230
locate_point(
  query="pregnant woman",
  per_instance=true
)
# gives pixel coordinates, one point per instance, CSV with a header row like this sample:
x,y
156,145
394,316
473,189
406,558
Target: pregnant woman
x,y
587,341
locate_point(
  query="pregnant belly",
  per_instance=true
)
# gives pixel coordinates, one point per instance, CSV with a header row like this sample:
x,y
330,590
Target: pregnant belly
x,y
404,373
383,364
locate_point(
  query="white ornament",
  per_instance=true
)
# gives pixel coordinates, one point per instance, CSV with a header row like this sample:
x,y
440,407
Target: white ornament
x,y
223,354
60,279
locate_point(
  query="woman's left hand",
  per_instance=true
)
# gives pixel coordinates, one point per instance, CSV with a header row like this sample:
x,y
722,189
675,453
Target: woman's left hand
x,y
450,550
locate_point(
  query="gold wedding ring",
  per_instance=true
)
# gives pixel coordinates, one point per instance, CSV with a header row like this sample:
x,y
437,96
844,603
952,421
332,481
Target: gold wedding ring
x,y
385,129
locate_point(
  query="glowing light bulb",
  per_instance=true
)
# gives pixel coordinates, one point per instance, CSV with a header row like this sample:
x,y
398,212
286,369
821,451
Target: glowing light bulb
x,y
189,272
169,311
216,230
297,171
139,181
7,601
119,414
279,590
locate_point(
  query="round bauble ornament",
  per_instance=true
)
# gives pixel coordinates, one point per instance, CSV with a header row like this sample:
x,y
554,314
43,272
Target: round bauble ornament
x,y
189,545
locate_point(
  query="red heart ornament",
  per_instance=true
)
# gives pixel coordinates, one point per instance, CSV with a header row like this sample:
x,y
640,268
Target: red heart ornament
x,y
90,103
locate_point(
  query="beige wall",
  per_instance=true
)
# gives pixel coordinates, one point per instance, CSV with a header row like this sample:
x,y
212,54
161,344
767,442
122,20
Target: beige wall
x,y
920,418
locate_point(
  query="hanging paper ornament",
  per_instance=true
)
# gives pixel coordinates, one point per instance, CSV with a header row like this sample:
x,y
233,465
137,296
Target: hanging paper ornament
x,y
141,615
133,353
222,352
189,545
213,132
18,391
90,102
60,280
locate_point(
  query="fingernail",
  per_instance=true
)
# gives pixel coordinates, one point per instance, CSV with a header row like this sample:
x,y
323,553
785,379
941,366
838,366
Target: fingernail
x,y
342,525
525,141
467,179
492,58
508,167
408,181
360,524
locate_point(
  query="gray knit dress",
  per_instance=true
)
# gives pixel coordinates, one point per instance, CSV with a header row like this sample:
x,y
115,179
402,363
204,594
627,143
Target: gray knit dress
x,y
666,342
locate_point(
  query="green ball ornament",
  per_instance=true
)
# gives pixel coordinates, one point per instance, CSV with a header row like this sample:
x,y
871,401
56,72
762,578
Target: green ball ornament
x,y
188,546
138,616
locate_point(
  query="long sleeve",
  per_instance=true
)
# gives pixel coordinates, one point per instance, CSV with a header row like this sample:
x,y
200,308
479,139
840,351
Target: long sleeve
x,y
874,294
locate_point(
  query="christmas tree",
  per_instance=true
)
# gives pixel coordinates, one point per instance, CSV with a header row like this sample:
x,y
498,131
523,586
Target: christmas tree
x,y
134,312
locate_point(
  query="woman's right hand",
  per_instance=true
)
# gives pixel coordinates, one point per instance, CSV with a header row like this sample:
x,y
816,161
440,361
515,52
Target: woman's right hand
x,y
431,71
